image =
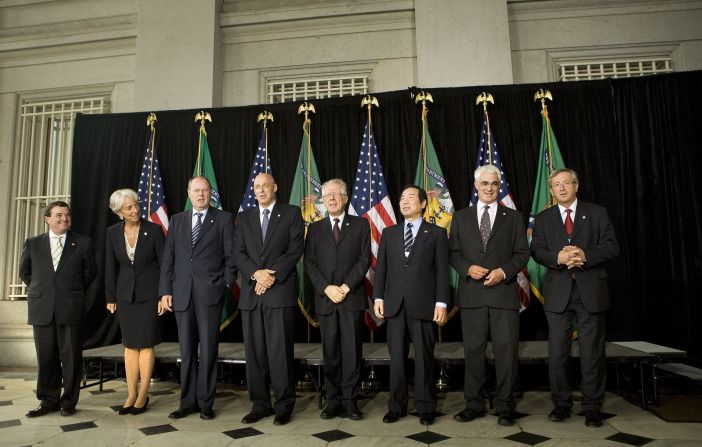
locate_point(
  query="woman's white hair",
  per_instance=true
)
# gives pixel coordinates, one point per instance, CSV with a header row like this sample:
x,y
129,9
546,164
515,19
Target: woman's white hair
x,y
117,198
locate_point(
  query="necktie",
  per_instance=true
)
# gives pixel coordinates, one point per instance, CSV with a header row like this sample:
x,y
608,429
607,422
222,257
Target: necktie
x,y
568,223
336,231
409,238
264,224
56,254
485,226
196,228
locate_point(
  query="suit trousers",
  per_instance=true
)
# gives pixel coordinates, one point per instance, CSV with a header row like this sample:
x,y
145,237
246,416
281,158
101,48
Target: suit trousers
x,y
401,329
342,347
59,355
198,379
269,347
593,361
503,326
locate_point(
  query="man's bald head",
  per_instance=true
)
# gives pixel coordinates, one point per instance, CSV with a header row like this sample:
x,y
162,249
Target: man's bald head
x,y
265,188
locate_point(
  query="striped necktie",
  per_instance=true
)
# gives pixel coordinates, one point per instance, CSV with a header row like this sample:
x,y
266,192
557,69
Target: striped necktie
x,y
409,239
196,228
56,253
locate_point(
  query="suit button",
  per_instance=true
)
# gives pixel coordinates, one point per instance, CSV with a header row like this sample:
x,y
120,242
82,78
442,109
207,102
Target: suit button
x,y
405,265
191,259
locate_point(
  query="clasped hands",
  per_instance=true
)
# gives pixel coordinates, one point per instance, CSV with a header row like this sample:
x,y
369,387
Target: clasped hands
x,y
337,293
490,277
572,257
264,280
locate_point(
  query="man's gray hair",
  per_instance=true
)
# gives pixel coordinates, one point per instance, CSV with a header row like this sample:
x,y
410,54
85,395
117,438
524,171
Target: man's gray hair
x,y
487,169
337,181
561,171
117,198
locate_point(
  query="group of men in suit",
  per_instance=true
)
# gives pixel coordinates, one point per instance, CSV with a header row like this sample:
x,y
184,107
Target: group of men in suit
x,y
487,247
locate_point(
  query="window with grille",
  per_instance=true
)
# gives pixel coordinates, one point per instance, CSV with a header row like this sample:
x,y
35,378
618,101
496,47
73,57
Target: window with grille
x,y
42,170
585,70
286,90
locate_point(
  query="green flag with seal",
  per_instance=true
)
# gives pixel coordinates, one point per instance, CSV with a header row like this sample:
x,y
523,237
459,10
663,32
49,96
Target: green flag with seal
x,y
550,159
430,177
306,193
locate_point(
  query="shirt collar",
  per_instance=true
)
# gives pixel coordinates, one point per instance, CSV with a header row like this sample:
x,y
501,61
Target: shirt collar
x,y
269,208
481,205
573,205
340,217
52,235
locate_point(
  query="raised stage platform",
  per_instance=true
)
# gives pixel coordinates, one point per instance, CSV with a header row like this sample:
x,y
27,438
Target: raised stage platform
x,y
449,353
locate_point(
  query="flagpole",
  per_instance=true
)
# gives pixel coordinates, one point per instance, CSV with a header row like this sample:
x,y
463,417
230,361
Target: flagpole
x,y
307,108
543,95
370,101
150,121
485,98
265,116
424,97
201,116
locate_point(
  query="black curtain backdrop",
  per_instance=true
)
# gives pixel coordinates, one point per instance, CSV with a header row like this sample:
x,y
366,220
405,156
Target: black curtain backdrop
x,y
634,142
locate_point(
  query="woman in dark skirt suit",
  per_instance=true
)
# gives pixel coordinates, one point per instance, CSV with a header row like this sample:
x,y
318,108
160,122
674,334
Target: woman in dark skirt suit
x,y
133,251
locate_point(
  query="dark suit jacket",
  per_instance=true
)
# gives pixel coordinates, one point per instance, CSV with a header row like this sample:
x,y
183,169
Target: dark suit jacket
x,y
420,280
135,283
594,233
280,252
57,294
209,267
507,248
331,263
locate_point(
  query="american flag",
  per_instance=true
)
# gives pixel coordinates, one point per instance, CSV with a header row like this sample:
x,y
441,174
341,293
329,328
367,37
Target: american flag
x,y
259,165
504,197
151,195
370,200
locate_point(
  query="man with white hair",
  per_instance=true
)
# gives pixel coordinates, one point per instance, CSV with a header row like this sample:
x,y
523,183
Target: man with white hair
x,y
488,248
337,257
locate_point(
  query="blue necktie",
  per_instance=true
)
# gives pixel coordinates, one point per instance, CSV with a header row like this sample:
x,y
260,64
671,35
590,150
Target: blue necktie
x,y
409,238
264,224
196,228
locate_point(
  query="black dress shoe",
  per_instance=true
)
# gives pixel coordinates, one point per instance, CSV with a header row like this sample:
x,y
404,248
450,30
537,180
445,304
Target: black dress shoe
x,y
427,418
593,418
125,410
257,415
559,414
180,413
138,410
207,414
282,418
330,412
468,415
506,418
41,411
391,417
68,411
353,412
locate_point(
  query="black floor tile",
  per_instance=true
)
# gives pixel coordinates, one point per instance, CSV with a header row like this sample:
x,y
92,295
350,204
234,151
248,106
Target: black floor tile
x,y
436,413
427,437
158,429
629,439
527,438
78,426
5,403
332,435
10,423
98,392
604,415
243,433
225,394
161,393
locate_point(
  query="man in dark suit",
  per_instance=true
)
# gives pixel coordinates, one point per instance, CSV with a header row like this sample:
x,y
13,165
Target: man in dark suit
x,y
337,257
58,267
488,247
197,267
411,290
269,242
574,239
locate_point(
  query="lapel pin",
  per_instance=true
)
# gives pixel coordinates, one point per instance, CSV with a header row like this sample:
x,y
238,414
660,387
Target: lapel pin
x,y
278,215
73,243
504,214
426,231
212,221
583,217
145,233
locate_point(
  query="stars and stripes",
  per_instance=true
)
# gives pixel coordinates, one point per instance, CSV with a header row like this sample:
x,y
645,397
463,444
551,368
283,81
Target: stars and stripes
x,y
151,194
259,165
487,154
369,199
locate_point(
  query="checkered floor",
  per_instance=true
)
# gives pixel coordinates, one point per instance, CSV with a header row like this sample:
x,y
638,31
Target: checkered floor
x,y
97,424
